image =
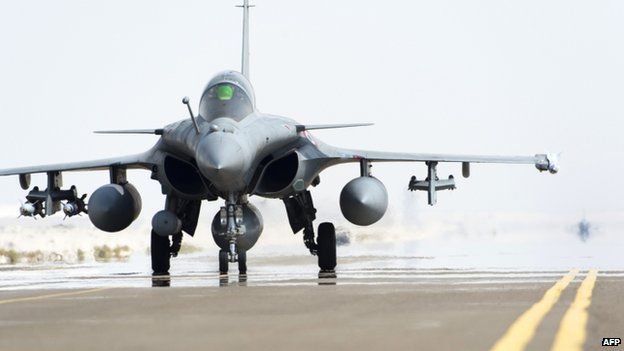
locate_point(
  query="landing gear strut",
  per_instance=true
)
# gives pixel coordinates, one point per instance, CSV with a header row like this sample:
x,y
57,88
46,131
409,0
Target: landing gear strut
x,y
301,215
163,247
231,217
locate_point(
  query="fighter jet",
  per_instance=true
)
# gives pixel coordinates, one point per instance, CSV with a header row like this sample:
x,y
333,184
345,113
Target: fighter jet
x,y
232,151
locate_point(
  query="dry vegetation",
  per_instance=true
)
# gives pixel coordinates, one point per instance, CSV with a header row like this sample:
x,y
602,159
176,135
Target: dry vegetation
x,y
107,253
13,256
102,253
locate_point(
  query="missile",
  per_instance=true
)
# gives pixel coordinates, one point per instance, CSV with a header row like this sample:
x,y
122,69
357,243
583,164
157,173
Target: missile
x,y
30,209
70,209
27,209
76,207
553,162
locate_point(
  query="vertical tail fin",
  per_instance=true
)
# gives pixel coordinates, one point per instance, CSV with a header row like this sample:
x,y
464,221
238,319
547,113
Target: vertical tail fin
x,y
245,53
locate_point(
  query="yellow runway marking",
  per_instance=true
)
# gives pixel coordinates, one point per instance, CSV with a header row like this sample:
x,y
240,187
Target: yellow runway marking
x,y
572,330
42,297
523,329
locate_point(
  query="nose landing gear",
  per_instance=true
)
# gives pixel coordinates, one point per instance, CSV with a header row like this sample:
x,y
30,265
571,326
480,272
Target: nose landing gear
x,y
224,260
232,219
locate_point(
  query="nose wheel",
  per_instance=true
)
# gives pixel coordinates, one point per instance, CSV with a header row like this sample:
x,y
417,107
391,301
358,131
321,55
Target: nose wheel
x,y
224,261
242,262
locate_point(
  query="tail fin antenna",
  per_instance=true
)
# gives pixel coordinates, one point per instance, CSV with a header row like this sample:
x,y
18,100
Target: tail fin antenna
x,y
245,54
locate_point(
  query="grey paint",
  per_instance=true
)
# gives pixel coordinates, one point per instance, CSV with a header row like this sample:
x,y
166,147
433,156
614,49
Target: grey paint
x,y
364,200
253,222
114,207
166,223
233,154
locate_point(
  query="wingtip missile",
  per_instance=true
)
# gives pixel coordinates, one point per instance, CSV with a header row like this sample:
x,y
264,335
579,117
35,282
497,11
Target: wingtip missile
x,y
548,162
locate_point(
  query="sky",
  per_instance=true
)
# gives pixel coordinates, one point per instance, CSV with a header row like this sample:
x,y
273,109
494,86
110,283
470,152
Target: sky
x,y
479,77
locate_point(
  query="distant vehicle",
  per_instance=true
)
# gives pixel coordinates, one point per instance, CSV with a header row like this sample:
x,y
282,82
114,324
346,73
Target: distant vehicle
x,y
230,150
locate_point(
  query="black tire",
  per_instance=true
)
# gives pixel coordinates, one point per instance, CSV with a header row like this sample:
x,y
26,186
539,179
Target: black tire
x,y
326,242
159,249
223,262
242,262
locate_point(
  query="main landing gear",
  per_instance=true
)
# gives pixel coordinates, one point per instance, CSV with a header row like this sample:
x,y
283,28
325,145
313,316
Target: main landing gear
x,y
162,249
326,247
301,215
235,229
167,227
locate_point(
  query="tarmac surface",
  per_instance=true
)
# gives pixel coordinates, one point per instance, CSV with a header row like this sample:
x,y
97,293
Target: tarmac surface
x,y
397,306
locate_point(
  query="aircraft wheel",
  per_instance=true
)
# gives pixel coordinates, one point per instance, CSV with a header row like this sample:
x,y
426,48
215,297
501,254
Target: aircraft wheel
x,y
242,262
223,262
159,249
326,242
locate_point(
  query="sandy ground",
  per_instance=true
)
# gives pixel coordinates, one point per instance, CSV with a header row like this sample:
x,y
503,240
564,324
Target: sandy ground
x,y
361,309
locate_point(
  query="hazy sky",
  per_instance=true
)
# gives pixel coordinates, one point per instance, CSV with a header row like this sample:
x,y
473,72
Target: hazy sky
x,y
484,77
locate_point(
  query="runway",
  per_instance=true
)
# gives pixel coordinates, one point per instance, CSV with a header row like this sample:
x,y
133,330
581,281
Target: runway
x,y
397,306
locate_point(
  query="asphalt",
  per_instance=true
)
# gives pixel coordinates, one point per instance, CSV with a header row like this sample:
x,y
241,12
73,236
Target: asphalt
x,y
359,309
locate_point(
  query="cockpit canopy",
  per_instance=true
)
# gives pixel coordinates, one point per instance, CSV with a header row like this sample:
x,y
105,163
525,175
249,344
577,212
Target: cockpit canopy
x,y
228,94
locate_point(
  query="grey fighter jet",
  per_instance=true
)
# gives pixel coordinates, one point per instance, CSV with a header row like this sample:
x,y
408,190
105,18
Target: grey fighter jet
x,y
232,151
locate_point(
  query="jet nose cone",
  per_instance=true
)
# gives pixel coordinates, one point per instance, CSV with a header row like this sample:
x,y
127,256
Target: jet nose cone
x,y
220,159
221,162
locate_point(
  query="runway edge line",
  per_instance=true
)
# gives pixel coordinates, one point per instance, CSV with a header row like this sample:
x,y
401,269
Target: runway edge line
x,y
573,327
522,331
